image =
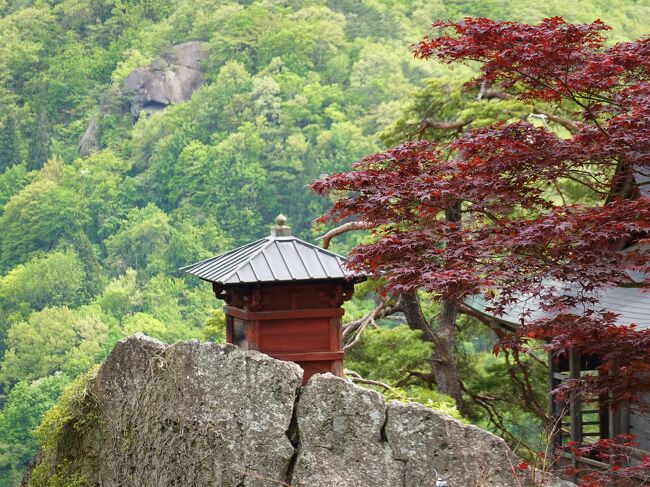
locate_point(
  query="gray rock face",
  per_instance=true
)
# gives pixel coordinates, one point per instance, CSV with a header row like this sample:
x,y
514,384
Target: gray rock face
x,y
171,79
350,437
89,142
198,414
168,80
191,414
340,427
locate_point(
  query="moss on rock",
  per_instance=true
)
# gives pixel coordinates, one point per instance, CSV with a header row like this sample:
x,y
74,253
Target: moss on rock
x,y
62,432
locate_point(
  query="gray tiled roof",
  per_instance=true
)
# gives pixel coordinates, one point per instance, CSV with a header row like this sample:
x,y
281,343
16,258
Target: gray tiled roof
x,y
632,304
643,181
271,259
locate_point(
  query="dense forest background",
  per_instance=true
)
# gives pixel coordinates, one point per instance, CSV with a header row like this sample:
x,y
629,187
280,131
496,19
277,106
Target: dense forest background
x,y
91,241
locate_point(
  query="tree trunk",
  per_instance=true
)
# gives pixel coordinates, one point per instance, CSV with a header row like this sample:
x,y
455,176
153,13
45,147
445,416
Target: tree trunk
x,y
442,360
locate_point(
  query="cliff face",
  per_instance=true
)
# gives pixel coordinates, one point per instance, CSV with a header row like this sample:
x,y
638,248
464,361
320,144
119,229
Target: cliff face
x,y
198,414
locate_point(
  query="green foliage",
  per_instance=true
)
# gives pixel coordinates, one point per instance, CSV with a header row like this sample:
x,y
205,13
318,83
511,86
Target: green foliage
x,y
39,216
61,429
121,296
140,240
426,396
10,150
391,356
407,353
54,279
293,90
12,180
53,340
214,329
24,408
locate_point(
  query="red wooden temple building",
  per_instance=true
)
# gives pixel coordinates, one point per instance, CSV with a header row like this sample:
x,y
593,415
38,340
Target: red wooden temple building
x,y
283,298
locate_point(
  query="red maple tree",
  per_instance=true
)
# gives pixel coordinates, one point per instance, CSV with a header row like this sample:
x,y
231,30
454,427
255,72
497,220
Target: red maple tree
x,y
478,215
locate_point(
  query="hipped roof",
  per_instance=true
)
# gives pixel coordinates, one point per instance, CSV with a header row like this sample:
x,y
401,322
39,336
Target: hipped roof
x,y
272,259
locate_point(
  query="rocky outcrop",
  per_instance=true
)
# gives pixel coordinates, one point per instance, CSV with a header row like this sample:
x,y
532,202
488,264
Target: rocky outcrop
x,y
197,414
89,141
171,79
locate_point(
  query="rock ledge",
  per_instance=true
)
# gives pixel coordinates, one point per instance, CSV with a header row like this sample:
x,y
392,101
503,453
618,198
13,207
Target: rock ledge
x,y
198,414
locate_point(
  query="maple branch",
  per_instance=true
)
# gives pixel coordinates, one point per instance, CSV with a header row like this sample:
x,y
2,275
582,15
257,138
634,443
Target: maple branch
x,y
498,330
585,184
559,191
494,417
457,125
346,227
568,124
530,401
488,93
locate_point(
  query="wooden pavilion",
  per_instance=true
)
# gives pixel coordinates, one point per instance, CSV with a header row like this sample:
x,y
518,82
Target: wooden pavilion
x,y
283,297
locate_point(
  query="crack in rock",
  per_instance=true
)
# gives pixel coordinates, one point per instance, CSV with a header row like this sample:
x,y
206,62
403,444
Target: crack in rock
x,y
192,413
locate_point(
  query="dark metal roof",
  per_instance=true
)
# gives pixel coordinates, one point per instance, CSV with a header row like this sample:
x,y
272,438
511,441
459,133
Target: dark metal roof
x,y
272,259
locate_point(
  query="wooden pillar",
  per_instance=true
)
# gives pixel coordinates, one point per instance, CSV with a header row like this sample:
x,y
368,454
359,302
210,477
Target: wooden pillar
x,y
575,408
554,405
230,332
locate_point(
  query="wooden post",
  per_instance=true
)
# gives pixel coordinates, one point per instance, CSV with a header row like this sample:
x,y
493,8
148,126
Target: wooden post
x,y
575,407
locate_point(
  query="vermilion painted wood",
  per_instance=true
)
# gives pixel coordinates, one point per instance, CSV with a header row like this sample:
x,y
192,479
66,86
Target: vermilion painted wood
x,y
309,357
283,314
298,322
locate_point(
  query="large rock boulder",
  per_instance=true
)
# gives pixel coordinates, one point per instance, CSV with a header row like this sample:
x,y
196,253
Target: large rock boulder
x,y
191,414
198,414
170,79
350,436
89,142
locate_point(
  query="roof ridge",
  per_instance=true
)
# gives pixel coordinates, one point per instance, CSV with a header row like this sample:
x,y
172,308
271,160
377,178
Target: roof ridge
x,y
316,247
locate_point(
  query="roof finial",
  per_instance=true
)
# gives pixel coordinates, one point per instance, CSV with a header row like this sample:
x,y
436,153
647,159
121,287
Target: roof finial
x,y
281,229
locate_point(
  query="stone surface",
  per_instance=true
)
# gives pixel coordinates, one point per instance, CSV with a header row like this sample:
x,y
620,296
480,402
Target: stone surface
x,y
340,427
191,414
168,80
89,141
349,436
199,414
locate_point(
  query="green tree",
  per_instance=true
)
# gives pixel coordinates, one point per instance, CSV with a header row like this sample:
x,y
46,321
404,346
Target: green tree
x,y
10,142
53,340
23,410
12,180
36,218
121,296
55,279
141,239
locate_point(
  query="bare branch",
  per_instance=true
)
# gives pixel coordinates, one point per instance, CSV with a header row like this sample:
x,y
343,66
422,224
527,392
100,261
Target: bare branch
x,y
355,377
385,308
346,227
498,330
456,125
488,93
570,125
